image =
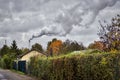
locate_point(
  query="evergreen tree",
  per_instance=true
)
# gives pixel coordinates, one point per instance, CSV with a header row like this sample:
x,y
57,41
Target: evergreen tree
x,y
15,50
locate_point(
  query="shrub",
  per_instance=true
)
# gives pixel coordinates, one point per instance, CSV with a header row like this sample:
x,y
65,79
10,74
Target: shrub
x,y
77,67
6,62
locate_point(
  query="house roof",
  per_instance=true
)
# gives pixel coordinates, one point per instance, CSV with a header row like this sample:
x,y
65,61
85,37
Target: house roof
x,y
20,56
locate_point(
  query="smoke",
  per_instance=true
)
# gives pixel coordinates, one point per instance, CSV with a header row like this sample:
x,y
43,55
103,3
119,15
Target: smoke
x,y
49,31
83,13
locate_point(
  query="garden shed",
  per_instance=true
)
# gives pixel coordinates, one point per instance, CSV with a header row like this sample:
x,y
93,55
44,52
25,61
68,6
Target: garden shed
x,y
21,64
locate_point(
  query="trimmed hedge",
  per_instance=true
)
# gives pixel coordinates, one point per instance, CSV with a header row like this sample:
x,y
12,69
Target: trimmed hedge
x,y
77,67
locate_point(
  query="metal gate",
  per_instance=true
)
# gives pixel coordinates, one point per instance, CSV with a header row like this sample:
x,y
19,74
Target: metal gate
x,y
22,66
15,65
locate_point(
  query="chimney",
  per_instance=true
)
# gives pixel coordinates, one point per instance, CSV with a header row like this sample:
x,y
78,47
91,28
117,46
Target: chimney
x,y
5,42
29,46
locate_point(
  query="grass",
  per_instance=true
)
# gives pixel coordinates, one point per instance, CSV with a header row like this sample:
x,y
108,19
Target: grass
x,y
19,72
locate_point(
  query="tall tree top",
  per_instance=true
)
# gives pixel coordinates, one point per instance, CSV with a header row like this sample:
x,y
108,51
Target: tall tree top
x,y
14,45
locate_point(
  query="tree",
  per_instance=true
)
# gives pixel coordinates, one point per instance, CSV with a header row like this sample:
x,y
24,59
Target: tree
x,y
37,46
4,50
110,34
69,46
55,47
97,45
14,46
9,54
24,50
15,50
49,43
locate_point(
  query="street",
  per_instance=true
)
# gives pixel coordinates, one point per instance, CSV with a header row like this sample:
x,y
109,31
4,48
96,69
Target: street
x,y
9,75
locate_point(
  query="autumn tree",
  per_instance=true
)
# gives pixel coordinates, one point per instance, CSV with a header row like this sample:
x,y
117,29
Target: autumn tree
x,y
37,46
49,43
97,45
110,34
54,47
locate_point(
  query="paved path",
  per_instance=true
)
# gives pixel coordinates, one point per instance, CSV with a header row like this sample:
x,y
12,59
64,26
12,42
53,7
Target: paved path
x,y
2,77
9,75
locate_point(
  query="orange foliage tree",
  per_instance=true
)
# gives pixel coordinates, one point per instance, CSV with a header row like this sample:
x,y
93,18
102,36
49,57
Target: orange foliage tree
x,y
55,47
97,45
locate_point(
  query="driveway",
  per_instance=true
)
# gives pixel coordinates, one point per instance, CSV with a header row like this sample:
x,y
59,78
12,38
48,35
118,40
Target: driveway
x,y
9,75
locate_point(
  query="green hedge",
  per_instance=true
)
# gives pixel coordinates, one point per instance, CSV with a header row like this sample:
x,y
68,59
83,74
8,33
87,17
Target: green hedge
x,y
77,67
6,62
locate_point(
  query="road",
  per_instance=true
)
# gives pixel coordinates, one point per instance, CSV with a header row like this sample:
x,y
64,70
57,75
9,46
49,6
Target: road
x,y
9,75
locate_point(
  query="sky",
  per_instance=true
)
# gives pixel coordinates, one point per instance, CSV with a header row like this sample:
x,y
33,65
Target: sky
x,y
39,21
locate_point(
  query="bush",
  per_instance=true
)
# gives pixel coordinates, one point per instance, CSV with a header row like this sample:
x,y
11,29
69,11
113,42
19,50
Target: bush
x,y
6,62
77,67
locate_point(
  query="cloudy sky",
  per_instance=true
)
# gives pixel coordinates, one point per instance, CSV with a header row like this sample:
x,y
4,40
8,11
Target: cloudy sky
x,y
42,20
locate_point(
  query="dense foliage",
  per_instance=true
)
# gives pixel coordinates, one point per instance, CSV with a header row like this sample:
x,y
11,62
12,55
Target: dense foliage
x,y
37,46
57,47
101,66
8,54
70,46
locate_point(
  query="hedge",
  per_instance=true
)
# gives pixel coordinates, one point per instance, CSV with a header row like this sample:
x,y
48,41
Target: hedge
x,y
76,67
